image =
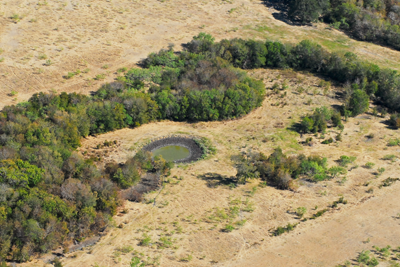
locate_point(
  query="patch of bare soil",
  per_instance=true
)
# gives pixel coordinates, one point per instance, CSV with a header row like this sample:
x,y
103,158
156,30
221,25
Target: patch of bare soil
x,y
186,225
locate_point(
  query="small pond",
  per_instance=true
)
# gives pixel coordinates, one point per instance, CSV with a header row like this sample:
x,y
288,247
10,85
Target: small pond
x,y
172,153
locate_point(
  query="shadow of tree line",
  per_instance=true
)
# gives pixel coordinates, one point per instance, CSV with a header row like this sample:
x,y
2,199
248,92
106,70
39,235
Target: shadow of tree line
x,y
215,179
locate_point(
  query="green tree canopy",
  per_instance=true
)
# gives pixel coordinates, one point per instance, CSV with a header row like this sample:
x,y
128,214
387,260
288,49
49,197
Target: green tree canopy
x,y
307,10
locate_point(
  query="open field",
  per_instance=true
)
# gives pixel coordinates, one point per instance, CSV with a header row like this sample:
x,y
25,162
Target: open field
x,y
186,223
187,212
41,41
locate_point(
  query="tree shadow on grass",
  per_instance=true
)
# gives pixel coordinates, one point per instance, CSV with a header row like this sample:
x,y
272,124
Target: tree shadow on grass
x,y
215,179
282,13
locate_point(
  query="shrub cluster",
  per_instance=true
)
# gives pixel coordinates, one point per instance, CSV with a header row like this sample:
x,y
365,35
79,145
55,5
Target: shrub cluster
x,y
279,169
319,119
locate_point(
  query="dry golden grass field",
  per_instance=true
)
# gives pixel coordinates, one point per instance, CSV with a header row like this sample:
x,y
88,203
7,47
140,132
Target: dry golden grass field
x,y
100,36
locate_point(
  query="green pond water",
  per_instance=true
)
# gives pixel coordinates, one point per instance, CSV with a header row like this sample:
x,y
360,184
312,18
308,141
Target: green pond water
x,y
172,153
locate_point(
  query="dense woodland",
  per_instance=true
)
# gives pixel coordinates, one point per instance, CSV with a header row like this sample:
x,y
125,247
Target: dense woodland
x,y
50,195
368,20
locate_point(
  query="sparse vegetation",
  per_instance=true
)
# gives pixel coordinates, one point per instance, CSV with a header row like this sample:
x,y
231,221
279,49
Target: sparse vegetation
x,y
388,182
390,157
300,211
369,165
364,257
285,229
344,161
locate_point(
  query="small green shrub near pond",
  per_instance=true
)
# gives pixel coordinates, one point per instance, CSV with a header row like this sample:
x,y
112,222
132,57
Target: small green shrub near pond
x,y
206,146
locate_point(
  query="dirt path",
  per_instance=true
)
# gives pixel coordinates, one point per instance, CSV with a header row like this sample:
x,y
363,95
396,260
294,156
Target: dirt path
x,y
336,240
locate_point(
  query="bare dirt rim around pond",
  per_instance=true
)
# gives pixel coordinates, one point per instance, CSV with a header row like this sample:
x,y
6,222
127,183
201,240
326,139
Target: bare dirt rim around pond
x,y
195,151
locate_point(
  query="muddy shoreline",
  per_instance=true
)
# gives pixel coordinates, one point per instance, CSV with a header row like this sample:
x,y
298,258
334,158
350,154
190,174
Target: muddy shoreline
x,y
195,151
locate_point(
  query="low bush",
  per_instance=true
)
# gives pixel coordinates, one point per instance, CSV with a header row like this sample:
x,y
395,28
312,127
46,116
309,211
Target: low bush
x,y
390,157
318,214
364,257
394,142
388,182
300,211
285,229
346,160
369,165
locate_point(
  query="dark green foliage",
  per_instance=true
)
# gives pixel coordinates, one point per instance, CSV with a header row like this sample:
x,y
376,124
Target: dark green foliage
x,y
336,170
319,119
37,214
371,20
211,91
307,10
285,229
48,193
327,141
246,169
200,43
279,169
345,68
340,201
358,102
318,214
395,120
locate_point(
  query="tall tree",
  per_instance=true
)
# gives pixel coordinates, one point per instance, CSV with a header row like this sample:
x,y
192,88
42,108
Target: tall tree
x,y
307,10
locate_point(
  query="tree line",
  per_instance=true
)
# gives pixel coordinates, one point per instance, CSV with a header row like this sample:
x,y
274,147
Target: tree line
x,y
362,80
369,20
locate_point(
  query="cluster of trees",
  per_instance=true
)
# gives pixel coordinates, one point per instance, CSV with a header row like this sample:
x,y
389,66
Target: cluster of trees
x,y
194,87
38,214
279,169
49,194
368,20
319,119
365,80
